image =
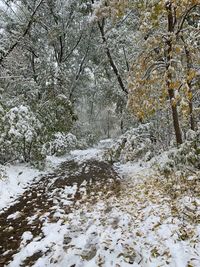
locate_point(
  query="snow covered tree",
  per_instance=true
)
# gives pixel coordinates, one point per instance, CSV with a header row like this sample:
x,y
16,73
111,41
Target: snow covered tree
x,y
163,70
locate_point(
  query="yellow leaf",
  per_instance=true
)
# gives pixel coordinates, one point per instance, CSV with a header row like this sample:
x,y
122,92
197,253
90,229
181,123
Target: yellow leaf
x,y
175,85
191,75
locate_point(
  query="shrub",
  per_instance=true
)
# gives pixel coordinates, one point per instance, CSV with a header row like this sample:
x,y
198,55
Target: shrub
x,y
133,145
61,144
186,156
19,135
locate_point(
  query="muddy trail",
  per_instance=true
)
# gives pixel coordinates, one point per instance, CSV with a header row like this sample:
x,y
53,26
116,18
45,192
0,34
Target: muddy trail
x,y
43,198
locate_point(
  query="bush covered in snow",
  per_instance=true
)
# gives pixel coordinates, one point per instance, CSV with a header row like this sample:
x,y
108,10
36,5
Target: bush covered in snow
x,y
61,144
19,135
186,156
25,136
132,145
56,116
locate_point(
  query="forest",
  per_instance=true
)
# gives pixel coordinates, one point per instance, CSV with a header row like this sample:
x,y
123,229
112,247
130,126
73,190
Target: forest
x,y
100,133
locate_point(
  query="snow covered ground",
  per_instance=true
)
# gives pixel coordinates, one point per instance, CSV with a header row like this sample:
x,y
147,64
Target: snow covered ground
x,y
87,154
138,223
18,177
135,227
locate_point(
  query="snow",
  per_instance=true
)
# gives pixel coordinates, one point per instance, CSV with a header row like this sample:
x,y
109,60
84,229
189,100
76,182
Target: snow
x,y
138,170
123,236
82,155
15,215
131,169
27,236
105,143
20,176
95,153
136,227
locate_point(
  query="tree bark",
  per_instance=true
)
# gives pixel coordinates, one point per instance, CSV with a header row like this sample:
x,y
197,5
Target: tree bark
x,y
171,94
108,53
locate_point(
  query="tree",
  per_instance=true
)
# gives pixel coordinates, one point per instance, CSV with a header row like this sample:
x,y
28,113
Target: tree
x,y
163,24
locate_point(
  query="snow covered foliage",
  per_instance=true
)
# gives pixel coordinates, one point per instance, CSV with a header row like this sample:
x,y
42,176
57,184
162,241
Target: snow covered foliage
x,y
3,174
28,136
19,135
132,145
57,114
86,134
185,156
61,144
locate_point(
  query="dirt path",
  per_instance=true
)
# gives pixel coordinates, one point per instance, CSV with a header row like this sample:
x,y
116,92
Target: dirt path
x,y
38,202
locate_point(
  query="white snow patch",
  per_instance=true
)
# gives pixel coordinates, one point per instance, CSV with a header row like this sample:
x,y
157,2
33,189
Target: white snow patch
x,y
15,215
133,169
27,236
20,176
88,154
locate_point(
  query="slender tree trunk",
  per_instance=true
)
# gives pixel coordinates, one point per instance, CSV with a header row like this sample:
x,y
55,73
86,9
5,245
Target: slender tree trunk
x,y
24,149
111,61
192,120
108,124
109,55
171,94
176,124
33,67
122,126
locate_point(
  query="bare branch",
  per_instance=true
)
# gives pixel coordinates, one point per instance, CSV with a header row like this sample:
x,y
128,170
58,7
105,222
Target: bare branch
x,y
24,33
74,47
152,68
180,26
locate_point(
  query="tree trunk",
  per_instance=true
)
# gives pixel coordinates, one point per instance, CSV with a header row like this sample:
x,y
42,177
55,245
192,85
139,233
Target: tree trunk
x,y
109,55
176,124
192,120
171,21
108,124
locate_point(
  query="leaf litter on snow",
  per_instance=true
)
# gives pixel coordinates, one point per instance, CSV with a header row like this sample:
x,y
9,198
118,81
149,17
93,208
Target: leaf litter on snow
x,y
138,223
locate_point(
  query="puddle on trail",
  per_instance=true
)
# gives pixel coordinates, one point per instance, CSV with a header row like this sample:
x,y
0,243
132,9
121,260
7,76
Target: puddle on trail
x,y
70,184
